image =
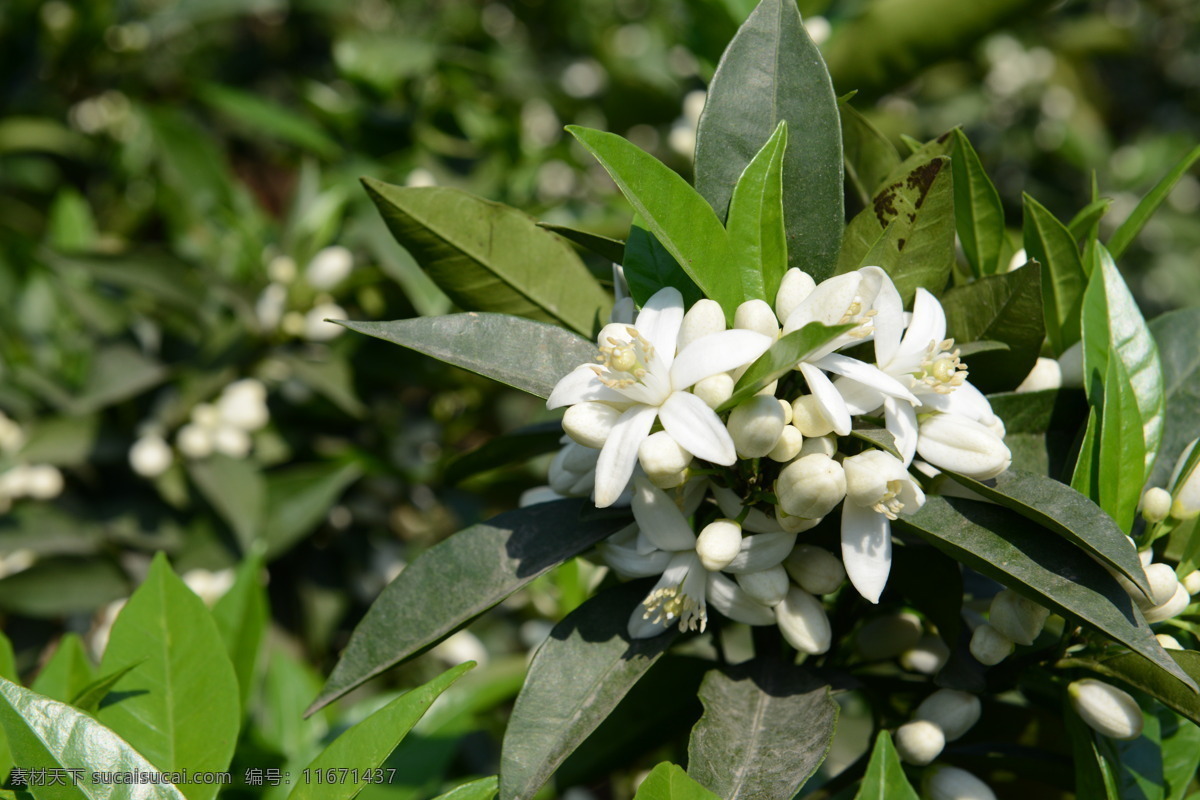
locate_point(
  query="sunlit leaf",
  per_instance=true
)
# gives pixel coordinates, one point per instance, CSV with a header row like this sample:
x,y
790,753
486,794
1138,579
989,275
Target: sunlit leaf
x,y
885,778
1048,242
668,781
757,236
1137,219
979,216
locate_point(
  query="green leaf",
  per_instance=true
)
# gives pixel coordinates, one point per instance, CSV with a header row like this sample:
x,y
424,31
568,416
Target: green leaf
x,y
179,704
261,117
89,697
649,267
885,778
45,734
1061,509
329,376
8,662
1093,773
757,236
671,210
869,156
365,746
1121,452
67,671
576,678
1176,334
1141,674
71,225
56,587
668,781
1048,242
876,437
604,246
298,499
509,448
932,582
1180,742
1050,571
468,573
241,616
1132,226
1136,763
63,441
781,357
767,727
532,356
1005,308
908,229
117,373
1083,226
481,789
773,72
978,214
488,257
236,490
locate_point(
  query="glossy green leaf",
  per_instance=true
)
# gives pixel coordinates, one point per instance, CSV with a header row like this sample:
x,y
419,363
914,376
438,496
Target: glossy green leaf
x,y
668,781
672,210
932,582
179,704
908,229
532,356
90,696
298,499
46,734
771,72
781,358
978,214
1085,477
1005,308
488,257
885,778
241,616
1121,452
481,789
576,678
236,490
1179,740
1132,226
1047,569
1138,672
67,672
508,448
1176,334
604,246
767,726
278,721
468,573
869,156
757,237
1083,226
367,744
1071,515
1048,242
649,267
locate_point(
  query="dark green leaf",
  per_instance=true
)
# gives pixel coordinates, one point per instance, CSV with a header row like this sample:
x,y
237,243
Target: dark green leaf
x,y
885,778
979,216
89,697
932,582
241,616
1047,569
757,236
1176,334
781,358
481,789
532,356
489,257
767,727
237,492
261,117
668,781
1138,672
606,247
65,441
468,573
1180,742
1083,225
298,499
117,373
869,156
1132,226
331,377
649,267
773,72
509,448
575,680
55,587
67,671
1048,242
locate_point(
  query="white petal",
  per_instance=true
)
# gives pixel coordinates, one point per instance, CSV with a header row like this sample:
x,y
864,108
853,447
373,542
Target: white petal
x,y
827,303
889,316
659,321
900,419
831,402
859,398
731,600
659,519
619,455
629,563
928,323
697,428
761,551
866,373
965,401
581,385
642,628
866,549
714,353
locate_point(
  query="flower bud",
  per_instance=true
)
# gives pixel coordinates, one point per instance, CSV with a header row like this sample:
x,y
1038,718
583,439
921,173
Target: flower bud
x,y
953,711
928,656
952,783
701,319
590,423
825,445
150,456
815,569
801,619
768,586
792,524
1145,556
1070,365
206,415
570,465
1168,642
755,426
329,267
811,486
809,418
879,481
624,311
1017,617
788,446
888,635
1163,583
663,460
962,445
1191,582
316,329
919,742
718,544
12,438
785,405
1172,608
757,316
795,286
194,440
243,404
43,482
1106,709
282,269
1046,374
270,307
990,646
715,389
233,442
1156,504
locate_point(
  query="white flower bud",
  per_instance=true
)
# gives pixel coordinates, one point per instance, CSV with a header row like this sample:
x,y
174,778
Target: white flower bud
x,y
990,646
811,486
1187,489
953,711
1106,709
1145,556
715,389
1017,617
809,418
1070,365
1018,260
1168,641
766,391
757,316
701,319
329,267
1191,582
792,524
768,586
929,655
888,636
663,460
150,456
1046,374
801,619
316,329
786,406
243,404
919,742
1163,583
233,442
43,482
793,289
1156,504
962,445
293,323
755,426
15,482
952,783
206,415
825,445
789,445
1172,608
282,269
271,305
718,544
194,440
815,569
571,464
589,424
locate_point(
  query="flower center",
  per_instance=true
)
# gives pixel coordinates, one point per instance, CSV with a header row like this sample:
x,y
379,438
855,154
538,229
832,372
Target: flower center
x,y
890,505
941,369
671,603
624,362
856,316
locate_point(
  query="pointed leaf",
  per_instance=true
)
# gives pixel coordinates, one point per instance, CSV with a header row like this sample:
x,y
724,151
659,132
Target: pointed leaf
x,y
979,216
1132,226
1083,226
1176,334
668,781
488,257
235,488
649,267
298,499
1093,774
781,358
773,72
468,573
885,778
757,236
1120,453
1048,242
89,697
481,789
67,671
1180,742
604,246
532,356
876,437
241,616
869,156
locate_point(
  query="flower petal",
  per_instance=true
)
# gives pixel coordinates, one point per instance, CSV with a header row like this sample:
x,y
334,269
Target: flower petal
x,y
928,323
659,322
866,549
859,398
866,373
731,600
965,401
714,353
830,401
889,316
619,455
696,428
581,385
641,627
628,563
762,550
900,419
659,519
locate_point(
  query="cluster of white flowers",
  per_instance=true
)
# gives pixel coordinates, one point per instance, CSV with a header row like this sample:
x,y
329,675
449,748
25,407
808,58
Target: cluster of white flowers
x,y
327,270
645,429
21,479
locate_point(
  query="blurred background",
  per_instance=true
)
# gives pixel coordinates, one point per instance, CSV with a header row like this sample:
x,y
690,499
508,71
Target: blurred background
x,y
180,210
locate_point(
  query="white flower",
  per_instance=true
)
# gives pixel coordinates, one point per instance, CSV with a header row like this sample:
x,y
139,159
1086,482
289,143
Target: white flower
x,y
962,445
243,404
150,456
815,569
641,376
271,305
316,329
878,489
1106,709
811,486
802,621
990,646
329,267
